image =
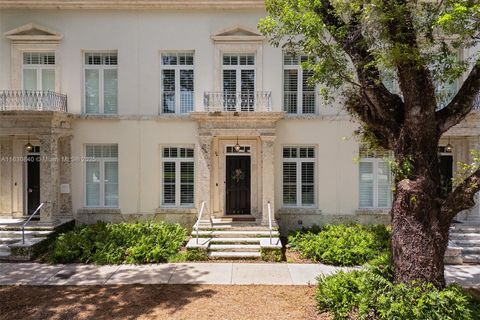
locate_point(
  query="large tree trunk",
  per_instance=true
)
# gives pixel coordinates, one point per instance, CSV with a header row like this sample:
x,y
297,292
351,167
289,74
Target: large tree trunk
x,y
419,235
419,230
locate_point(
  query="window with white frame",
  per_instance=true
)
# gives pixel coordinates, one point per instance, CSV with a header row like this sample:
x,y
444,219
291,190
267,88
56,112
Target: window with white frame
x,y
375,179
299,176
101,175
177,82
101,82
238,81
178,173
39,71
298,92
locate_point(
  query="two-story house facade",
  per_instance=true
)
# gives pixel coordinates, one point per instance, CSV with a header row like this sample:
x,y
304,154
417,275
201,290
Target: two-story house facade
x,y
123,110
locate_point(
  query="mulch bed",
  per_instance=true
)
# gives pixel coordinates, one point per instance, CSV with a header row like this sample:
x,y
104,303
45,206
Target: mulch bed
x,y
159,302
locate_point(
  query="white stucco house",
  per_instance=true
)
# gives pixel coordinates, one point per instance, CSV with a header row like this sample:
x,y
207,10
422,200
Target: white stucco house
x,y
138,110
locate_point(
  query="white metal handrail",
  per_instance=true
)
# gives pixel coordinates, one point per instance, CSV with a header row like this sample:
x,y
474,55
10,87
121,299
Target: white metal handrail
x,y
270,220
202,208
28,220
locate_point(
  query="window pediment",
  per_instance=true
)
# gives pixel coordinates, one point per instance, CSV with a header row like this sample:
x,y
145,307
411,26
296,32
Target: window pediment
x,y
32,32
238,33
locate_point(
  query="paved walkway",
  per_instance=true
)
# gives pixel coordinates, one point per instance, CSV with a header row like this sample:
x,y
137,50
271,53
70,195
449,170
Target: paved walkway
x,y
189,273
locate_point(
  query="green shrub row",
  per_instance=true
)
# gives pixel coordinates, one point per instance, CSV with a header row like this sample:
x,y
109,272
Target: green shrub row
x,y
371,294
104,243
342,245
191,254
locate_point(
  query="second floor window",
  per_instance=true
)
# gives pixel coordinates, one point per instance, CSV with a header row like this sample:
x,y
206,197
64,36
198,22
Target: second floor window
x,y
39,71
101,82
238,80
298,93
177,82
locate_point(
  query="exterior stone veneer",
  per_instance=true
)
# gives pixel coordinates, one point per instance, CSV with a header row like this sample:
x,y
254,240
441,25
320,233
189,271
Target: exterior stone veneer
x,y
220,129
52,132
186,217
292,219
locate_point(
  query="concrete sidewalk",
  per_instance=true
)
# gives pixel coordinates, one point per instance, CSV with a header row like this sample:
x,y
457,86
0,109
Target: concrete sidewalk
x,y
190,273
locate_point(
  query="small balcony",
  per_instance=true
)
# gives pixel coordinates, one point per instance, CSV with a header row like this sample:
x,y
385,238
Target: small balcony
x,y
254,101
31,100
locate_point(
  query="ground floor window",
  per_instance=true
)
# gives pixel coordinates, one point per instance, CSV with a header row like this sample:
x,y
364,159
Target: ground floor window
x,y
298,176
375,179
101,175
178,171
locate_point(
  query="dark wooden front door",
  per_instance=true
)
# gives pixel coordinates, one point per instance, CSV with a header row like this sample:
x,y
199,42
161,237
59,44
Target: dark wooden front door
x,y
33,183
238,185
446,171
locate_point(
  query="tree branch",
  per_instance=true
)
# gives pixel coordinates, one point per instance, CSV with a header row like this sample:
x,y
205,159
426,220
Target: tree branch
x,y
380,101
462,197
462,103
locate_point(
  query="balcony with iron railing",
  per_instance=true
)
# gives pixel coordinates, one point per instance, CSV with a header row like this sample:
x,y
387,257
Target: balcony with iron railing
x,y
32,100
251,101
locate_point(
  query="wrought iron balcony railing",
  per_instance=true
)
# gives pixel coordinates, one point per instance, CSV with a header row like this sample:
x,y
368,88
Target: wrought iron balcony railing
x,y
31,100
226,101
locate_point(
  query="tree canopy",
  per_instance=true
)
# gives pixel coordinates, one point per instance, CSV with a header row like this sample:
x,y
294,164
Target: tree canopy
x,y
354,45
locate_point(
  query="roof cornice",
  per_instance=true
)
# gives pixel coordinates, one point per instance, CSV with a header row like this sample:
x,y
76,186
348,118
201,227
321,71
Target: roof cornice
x,y
132,4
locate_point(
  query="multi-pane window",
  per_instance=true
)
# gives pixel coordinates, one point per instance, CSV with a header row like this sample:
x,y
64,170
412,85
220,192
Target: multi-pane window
x,y
299,176
178,174
298,92
101,82
445,92
101,175
39,71
375,179
238,80
177,83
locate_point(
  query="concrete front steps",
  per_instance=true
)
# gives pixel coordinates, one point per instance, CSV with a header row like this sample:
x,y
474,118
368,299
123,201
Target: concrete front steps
x,y
464,243
12,248
229,241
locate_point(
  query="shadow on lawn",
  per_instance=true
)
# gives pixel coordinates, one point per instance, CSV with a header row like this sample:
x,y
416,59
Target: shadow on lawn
x,y
95,302
93,299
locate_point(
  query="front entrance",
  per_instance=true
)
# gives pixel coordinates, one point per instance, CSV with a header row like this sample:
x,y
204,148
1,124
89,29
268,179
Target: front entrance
x,y
237,185
446,171
33,182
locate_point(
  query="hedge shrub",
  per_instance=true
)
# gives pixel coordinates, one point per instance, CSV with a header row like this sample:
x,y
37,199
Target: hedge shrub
x,y
342,245
105,243
371,294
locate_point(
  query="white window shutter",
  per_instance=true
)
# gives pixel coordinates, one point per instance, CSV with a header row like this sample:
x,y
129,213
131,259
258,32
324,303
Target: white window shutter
x,y
366,182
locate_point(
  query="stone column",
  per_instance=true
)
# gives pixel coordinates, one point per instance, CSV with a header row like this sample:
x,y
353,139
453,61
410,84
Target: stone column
x,y
204,174
473,144
49,178
268,177
65,153
6,175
